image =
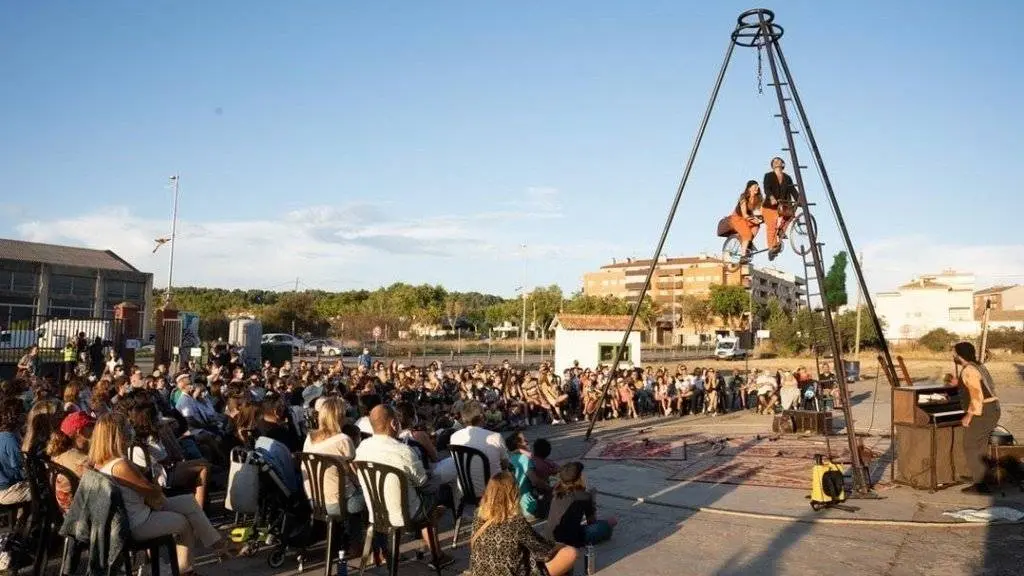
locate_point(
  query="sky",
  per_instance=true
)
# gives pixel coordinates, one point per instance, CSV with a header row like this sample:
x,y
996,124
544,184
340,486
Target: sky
x,y
350,145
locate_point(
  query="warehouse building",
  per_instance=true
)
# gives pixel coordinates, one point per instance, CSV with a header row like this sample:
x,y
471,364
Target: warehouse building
x,y
40,282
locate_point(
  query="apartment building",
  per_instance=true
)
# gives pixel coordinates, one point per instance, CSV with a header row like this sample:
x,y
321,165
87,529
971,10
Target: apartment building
x,y
676,277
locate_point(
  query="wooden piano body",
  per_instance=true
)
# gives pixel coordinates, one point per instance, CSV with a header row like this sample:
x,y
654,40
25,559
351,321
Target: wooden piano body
x,y
929,437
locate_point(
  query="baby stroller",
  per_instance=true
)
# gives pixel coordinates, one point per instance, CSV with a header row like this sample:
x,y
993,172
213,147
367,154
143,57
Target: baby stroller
x,y
276,512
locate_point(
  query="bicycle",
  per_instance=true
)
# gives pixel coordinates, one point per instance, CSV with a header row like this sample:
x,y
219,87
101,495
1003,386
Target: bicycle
x,y
795,230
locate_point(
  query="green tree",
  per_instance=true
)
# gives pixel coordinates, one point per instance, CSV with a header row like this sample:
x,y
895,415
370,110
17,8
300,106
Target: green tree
x,y
696,312
835,282
729,303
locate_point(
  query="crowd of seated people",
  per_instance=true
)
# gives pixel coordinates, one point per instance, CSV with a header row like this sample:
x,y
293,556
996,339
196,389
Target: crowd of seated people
x,y
170,432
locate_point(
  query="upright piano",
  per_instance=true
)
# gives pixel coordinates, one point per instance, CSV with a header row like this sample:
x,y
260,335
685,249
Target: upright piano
x,y
929,437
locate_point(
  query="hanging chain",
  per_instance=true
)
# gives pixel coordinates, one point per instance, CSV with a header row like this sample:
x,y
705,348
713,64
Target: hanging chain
x,y
760,83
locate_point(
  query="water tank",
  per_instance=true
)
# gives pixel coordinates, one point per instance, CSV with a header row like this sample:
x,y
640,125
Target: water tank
x,y
246,333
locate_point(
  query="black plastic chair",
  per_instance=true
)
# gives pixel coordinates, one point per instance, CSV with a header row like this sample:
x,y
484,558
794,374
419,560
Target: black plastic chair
x,y
374,477
73,550
463,457
314,469
43,508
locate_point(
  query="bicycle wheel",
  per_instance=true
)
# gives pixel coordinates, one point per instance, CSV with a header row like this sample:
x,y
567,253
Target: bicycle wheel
x,y
731,253
799,239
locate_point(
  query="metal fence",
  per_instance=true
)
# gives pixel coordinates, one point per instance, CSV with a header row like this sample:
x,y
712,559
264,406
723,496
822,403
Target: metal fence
x,y
52,334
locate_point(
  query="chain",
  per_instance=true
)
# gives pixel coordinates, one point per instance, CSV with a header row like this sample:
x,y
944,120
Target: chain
x,y
760,83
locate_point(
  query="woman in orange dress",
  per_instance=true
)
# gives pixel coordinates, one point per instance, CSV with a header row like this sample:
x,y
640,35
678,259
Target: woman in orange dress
x,y
743,218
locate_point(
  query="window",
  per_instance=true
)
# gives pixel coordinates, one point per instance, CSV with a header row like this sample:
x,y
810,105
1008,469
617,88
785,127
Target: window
x,y
12,281
607,353
959,314
76,286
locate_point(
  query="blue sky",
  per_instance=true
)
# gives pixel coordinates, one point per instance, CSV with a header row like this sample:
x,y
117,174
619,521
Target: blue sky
x,y
353,144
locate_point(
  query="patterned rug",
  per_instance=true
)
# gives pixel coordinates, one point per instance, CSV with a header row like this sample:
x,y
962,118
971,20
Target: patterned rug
x,y
683,447
758,460
771,472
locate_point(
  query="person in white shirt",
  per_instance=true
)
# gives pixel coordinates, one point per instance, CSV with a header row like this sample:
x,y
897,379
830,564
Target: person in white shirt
x,y
490,443
366,405
384,448
328,439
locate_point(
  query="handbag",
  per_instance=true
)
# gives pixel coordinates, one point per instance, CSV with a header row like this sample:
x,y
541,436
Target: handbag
x,y
243,483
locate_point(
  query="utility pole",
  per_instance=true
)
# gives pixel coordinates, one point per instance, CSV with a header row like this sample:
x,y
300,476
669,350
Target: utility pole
x,y
296,291
856,338
522,325
174,231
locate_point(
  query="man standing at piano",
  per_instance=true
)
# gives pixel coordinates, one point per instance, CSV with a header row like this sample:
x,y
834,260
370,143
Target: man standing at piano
x,y
981,407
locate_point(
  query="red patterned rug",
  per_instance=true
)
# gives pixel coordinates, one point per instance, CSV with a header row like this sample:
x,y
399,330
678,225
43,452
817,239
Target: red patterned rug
x,y
774,461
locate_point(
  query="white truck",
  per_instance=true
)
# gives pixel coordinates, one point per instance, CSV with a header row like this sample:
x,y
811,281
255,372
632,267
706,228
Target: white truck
x,y
730,348
54,334
17,339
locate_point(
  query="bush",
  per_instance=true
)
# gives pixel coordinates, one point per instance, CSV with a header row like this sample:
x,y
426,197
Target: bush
x,y
938,340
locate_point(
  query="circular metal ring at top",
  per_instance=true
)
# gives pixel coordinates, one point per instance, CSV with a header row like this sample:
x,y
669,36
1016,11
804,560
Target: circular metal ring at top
x,y
753,17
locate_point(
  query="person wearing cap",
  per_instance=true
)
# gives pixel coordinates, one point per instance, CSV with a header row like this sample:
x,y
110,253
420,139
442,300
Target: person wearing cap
x,y
981,412
572,504
69,447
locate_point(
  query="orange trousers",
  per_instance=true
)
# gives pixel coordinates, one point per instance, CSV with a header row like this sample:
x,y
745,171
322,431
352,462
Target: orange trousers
x,y
771,220
745,230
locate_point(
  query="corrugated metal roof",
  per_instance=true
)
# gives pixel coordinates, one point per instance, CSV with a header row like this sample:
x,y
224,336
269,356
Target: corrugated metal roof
x,y
593,322
62,255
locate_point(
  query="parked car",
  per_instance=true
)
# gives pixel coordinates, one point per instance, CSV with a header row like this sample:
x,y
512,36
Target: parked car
x,y
323,346
283,339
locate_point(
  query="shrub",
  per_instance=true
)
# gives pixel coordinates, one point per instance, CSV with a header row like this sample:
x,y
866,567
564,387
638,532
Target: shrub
x,y
938,340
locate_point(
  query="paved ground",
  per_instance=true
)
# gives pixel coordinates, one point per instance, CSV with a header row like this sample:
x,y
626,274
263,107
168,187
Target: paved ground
x,y
665,535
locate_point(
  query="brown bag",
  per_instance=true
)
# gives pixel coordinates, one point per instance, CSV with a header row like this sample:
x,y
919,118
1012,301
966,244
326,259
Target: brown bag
x,y
725,228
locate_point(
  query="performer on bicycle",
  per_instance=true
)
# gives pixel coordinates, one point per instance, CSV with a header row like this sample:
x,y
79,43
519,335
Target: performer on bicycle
x,y
743,219
779,195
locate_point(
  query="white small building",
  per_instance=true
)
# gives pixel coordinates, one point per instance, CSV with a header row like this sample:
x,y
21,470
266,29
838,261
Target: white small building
x,y
930,301
593,340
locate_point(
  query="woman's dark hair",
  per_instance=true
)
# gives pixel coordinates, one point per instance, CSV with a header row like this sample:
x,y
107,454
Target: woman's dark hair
x,y
143,419
966,351
11,412
406,414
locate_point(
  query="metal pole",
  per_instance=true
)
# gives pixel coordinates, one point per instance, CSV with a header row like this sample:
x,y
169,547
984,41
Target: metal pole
x,y
984,330
522,325
664,233
861,282
174,232
856,337
771,44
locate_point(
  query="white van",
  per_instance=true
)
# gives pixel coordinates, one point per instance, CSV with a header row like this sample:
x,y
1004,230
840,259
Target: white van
x,y
18,339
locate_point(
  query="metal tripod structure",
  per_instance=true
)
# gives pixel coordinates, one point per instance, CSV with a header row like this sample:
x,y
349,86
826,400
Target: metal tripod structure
x,y
757,29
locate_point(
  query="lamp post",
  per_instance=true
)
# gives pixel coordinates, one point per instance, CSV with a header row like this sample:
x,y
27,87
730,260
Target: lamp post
x,y
174,230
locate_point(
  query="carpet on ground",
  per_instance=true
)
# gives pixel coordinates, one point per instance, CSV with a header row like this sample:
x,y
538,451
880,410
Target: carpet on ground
x,y
757,460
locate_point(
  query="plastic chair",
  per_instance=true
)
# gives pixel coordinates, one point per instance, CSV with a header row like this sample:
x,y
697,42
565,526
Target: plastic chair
x,y
463,457
374,477
73,549
43,507
314,469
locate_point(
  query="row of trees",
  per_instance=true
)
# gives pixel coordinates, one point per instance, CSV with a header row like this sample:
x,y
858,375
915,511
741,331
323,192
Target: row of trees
x,y
354,314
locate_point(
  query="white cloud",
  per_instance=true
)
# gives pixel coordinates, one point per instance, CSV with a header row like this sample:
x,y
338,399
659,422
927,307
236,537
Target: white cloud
x,y
367,244
894,261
